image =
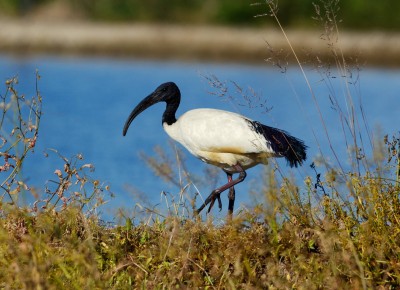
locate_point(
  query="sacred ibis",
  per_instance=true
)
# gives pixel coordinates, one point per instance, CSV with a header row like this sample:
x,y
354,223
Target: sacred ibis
x,y
224,139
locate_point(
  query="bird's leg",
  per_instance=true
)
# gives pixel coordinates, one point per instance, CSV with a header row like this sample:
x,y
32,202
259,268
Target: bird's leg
x,y
231,195
215,194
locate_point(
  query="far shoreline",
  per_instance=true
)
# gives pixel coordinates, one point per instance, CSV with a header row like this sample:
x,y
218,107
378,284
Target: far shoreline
x,y
196,43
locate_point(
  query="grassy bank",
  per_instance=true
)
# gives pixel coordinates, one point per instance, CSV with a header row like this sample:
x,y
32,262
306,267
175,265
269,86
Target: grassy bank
x,y
337,243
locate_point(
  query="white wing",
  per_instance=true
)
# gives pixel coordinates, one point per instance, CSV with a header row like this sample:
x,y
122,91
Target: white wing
x,y
220,131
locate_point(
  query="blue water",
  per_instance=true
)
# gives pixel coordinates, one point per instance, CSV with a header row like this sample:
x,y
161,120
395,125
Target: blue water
x,y
87,100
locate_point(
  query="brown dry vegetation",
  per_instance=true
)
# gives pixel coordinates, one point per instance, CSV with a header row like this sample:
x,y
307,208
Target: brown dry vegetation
x,y
338,250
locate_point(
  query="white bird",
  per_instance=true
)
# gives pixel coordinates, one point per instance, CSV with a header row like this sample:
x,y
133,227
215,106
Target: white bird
x,y
221,138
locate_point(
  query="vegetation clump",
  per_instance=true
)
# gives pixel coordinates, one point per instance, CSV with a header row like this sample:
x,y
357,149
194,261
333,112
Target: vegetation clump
x,y
336,244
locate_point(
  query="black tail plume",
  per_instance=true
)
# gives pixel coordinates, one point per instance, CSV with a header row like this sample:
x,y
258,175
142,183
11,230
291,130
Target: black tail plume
x,y
285,145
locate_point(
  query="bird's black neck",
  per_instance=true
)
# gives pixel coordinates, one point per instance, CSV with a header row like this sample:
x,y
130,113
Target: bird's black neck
x,y
169,114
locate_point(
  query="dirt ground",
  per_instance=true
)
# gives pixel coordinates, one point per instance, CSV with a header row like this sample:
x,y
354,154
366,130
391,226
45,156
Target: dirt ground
x,y
195,42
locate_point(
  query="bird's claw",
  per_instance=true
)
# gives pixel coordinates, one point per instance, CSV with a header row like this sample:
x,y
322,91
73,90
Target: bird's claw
x,y
219,202
215,196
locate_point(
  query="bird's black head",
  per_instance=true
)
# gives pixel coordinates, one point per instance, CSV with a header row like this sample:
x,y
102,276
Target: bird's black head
x,y
166,92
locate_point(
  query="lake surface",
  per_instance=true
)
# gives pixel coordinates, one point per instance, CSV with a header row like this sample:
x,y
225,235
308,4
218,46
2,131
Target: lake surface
x,y
87,100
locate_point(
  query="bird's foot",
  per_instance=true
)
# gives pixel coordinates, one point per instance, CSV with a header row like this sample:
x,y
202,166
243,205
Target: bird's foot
x,y
216,195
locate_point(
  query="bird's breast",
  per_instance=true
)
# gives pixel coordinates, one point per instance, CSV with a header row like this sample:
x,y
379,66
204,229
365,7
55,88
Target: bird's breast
x,y
226,161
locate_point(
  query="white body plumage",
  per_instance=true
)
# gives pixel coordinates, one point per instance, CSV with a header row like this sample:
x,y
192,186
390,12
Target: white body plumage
x,y
221,138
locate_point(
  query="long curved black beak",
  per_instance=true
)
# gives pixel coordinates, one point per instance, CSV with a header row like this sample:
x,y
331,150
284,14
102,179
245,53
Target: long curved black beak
x,y
143,105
